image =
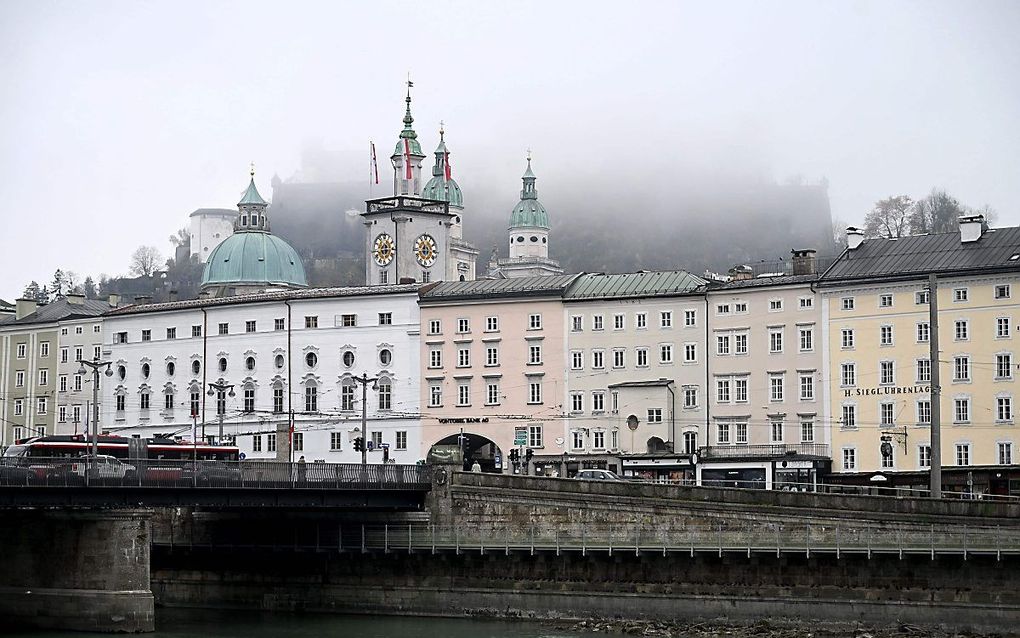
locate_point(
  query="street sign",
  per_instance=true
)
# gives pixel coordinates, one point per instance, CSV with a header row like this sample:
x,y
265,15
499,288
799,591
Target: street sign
x,y
520,436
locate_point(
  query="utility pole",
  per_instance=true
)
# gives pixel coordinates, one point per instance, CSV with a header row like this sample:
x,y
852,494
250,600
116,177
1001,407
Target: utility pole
x,y
936,391
364,380
218,389
95,366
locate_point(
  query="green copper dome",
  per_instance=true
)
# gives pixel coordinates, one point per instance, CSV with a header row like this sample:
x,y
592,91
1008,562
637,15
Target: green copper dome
x,y
529,213
444,191
254,258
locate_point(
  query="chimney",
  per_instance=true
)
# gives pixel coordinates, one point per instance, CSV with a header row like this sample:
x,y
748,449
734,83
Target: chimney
x,y
141,300
76,299
804,262
854,237
971,228
114,300
741,273
172,296
24,307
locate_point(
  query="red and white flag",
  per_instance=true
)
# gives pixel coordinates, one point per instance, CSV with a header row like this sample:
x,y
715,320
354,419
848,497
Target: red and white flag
x,y
407,159
375,167
446,164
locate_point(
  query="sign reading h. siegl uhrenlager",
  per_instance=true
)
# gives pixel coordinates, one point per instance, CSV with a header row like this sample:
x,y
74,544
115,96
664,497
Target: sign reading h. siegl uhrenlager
x,y
887,389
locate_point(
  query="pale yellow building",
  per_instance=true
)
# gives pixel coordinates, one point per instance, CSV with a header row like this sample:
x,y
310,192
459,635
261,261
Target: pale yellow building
x,y
875,315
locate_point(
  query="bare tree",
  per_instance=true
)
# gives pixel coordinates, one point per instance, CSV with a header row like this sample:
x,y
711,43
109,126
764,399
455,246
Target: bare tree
x,y
144,261
180,238
889,218
939,212
839,234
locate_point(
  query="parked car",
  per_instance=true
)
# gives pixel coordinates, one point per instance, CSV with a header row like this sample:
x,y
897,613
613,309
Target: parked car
x,y
108,469
597,475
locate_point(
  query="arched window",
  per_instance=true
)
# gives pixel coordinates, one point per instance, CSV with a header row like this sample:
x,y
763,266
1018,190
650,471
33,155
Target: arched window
x,y
143,398
348,358
223,364
168,398
311,359
385,394
249,398
347,394
249,363
311,398
280,361
145,371
278,397
196,367
385,356
171,368
121,372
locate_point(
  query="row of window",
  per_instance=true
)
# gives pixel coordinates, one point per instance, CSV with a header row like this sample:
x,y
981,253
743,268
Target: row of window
x,y
491,324
732,432
1003,455
65,355
21,350
1001,291
96,328
492,395
491,355
223,328
336,440
597,321
41,406
961,332
962,412
733,389
961,368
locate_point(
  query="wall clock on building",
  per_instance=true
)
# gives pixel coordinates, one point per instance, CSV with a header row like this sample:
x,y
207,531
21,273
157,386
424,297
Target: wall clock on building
x,y
383,249
425,250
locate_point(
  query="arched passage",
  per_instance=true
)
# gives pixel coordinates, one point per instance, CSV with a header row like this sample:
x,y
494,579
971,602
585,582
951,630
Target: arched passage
x,y
475,447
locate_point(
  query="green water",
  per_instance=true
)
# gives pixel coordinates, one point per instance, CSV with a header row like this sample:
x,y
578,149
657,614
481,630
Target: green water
x,y
200,623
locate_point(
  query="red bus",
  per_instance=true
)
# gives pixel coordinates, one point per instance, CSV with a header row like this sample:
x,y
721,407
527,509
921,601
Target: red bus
x,y
120,447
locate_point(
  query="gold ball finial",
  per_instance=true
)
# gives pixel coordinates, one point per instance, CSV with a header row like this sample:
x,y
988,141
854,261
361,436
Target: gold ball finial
x,y
529,155
441,131
252,171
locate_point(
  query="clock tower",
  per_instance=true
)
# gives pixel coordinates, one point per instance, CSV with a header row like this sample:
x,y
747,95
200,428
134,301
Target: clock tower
x,y
415,236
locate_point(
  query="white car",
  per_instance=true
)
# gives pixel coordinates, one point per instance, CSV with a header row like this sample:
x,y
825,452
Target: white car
x,y
597,475
107,468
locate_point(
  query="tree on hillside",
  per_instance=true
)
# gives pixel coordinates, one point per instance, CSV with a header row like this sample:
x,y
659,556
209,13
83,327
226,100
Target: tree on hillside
x,y
144,261
180,238
889,218
31,291
57,286
88,288
936,213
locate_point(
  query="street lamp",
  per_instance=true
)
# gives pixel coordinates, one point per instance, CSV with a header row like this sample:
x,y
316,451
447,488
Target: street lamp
x,y
364,380
214,389
95,365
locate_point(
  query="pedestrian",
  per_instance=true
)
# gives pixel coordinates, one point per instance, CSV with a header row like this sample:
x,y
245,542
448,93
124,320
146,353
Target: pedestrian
x,y
476,466
301,470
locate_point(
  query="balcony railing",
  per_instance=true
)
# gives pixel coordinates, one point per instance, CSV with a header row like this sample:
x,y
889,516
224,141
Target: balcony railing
x,y
764,451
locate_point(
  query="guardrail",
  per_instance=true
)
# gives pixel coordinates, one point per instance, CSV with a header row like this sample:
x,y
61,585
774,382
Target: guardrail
x,y
829,537
163,473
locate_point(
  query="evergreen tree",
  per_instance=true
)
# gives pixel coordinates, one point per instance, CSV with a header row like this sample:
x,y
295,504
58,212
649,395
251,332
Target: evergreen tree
x,y
57,288
44,295
88,288
31,291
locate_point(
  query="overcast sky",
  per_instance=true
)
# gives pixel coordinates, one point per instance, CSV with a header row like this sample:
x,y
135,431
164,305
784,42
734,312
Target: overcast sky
x,y
118,119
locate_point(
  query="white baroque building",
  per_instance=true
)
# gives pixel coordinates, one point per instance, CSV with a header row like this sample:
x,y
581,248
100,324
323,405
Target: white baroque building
x,y
291,357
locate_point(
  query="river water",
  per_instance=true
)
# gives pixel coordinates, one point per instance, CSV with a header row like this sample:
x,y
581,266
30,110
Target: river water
x,y
201,623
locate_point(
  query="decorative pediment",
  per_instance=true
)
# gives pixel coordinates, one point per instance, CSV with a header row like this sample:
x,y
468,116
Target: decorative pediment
x,y
169,388
384,346
278,381
249,382
144,389
279,351
120,391
144,360
311,379
310,348
222,353
170,359
249,353
348,346
345,379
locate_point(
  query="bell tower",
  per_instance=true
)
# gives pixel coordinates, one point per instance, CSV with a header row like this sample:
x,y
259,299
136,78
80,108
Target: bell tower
x,y
407,156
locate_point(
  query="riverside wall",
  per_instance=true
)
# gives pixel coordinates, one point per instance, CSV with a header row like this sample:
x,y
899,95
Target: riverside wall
x,y
267,561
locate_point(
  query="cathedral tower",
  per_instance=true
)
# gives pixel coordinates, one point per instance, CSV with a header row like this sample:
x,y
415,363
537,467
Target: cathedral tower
x,y
528,236
407,156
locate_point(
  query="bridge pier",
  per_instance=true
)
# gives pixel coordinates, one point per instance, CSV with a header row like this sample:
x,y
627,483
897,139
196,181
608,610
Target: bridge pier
x,y
76,569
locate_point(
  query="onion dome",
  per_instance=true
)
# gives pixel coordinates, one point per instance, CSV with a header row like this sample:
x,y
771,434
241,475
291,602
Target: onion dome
x,y
529,213
442,186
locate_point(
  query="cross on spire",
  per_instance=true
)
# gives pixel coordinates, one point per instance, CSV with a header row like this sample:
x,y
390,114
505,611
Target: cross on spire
x,y
252,172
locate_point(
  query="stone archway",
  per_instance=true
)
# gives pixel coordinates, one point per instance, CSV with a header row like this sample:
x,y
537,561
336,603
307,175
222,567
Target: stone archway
x,y
475,447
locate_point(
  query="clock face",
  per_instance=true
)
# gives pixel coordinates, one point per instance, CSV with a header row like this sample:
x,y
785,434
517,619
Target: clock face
x,y
425,250
383,250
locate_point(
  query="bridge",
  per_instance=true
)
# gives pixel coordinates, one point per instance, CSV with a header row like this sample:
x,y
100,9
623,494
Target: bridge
x,y
99,554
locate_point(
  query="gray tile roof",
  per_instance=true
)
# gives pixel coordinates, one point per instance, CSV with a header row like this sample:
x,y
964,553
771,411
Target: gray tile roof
x,y
280,295
997,250
539,285
636,284
760,282
59,310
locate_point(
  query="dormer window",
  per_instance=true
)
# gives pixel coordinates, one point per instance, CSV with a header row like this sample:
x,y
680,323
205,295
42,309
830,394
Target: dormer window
x,y
244,220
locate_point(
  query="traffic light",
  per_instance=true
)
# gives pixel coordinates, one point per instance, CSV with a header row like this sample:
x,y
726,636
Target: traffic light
x,y
528,454
514,455
359,444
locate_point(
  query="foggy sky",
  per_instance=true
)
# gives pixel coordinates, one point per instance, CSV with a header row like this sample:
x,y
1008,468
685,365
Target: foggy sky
x,y
118,119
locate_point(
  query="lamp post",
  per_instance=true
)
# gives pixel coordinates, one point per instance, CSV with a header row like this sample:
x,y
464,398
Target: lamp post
x,y
214,389
364,380
95,365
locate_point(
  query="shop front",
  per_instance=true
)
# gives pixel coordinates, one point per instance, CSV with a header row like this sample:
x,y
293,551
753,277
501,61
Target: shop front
x,y
659,468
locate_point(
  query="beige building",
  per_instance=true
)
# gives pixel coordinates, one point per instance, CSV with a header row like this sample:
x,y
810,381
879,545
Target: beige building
x,y
492,367
635,392
875,304
30,365
767,382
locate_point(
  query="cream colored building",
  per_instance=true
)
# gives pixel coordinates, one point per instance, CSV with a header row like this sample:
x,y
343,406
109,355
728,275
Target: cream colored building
x,y
877,331
766,382
635,392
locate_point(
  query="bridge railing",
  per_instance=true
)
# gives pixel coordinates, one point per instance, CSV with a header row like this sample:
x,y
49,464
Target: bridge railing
x,y
173,473
828,537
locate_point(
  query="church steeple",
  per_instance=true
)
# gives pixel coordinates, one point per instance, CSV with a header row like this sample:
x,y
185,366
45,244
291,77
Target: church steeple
x,y
529,191
442,186
407,155
251,210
